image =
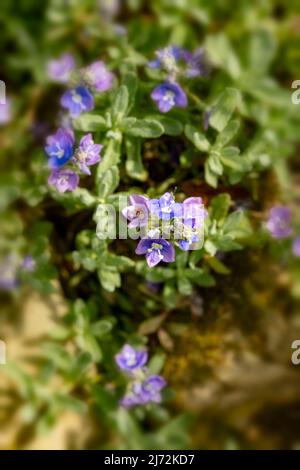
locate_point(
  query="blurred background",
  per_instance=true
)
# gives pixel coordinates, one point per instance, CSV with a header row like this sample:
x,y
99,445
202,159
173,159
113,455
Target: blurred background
x,y
228,347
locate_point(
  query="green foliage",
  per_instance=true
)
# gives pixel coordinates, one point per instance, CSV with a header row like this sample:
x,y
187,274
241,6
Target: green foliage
x,y
111,295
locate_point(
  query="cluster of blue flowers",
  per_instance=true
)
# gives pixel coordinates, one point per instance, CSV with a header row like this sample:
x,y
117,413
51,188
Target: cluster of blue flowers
x,y
175,61
142,387
78,99
60,150
162,219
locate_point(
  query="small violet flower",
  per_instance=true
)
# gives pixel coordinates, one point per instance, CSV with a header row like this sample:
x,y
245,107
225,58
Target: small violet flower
x,y
165,207
60,69
167,95
64,179
166,59
77,100
59,147
143,392
87,154
296,247
156,250
195,64
98,76
28,264
129,359
137,211
279,222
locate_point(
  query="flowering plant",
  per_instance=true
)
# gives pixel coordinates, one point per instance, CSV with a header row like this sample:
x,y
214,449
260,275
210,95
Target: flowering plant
x,y
145,181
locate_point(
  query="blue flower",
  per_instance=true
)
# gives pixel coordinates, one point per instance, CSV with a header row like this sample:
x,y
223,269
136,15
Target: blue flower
x,y
156,250
279,222
165,207
195,63
77,100
61,68
167,59
59,147
167,95
129,359
143,392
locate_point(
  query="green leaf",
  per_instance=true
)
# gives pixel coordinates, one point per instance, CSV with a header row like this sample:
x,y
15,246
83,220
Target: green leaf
x,y
171,126
109,182
210,247
110,278
237,225
70,403
146,128
262,48
210,177
156,363
89,122
120,262
200,277
90,345
226,243
219,206
134,164
227,134
111,154
217,265
101,328
197,138
230,158
184,285
215,164
223,108
221,54
130,82
151,325
120,104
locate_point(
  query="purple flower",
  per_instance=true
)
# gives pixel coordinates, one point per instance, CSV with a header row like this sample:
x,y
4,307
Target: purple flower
x,y
59,69
63,179
193,209
77,100
129,359
167,59
143,392
59,147
194,62
279,222
97,76
87,154
5,112
156,250
149,390
165,207
167,95
28,264
296,247
137,211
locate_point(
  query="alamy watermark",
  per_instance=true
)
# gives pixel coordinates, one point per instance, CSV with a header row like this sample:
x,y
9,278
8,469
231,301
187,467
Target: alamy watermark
x,y
2,92
112,224
2,353
296,94
295,358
